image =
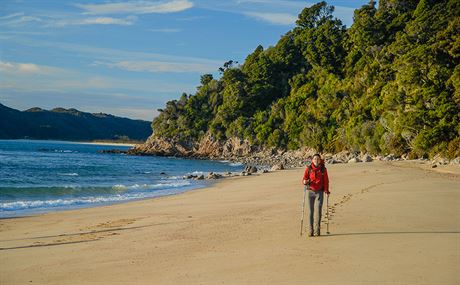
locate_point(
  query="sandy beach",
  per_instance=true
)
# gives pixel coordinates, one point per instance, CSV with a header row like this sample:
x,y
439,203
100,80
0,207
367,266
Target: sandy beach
x,y
392,223
108,143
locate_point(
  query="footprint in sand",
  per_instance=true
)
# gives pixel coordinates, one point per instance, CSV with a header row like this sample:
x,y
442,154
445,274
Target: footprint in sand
x,y
116,223
109,224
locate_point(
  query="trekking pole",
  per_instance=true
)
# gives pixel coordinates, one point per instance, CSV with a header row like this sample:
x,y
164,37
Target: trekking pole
x,y
327,213
303,209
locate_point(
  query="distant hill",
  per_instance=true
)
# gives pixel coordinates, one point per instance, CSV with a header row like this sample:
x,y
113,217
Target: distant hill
x,y
69,124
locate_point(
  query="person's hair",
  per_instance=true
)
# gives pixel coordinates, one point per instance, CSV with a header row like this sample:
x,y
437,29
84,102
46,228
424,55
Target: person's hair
x,y
317,154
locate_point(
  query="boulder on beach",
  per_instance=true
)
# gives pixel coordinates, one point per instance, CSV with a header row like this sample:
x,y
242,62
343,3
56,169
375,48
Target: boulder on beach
x,y
213,175
278,166
354,160
200,177
250,169
366,158
389,157
437,159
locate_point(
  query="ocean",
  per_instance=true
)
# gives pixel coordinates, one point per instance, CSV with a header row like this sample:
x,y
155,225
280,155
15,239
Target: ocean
x,y
43,176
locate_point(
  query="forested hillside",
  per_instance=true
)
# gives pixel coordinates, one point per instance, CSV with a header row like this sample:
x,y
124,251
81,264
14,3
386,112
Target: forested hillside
x,y
390,83
69,124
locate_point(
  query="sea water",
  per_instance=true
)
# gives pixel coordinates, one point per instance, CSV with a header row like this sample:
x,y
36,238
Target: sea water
x,y
42,176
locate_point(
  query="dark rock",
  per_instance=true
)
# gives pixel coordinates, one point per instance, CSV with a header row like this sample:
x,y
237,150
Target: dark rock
x,y
250,169
200,177
213,175
367,158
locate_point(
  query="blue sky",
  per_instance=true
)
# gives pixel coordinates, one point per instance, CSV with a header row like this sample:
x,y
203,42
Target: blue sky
x,y
128,58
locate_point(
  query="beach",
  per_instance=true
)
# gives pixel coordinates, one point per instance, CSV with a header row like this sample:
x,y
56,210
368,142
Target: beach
x,y
391,223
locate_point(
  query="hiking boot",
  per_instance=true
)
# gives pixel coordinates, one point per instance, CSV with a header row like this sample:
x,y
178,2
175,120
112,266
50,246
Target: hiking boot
x,y
310,234
318,233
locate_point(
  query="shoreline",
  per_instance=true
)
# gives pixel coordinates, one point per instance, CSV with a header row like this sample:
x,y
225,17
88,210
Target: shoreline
x,y
247,231
110,143
448,171
82,208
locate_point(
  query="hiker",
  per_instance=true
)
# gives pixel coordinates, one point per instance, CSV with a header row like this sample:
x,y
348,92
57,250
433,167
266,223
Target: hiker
x,y
317,182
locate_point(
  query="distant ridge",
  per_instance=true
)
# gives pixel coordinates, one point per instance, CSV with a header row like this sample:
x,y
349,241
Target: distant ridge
x,y
69,124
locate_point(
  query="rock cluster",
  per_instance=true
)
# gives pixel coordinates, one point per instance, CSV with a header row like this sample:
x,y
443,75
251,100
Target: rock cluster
x,y
238,150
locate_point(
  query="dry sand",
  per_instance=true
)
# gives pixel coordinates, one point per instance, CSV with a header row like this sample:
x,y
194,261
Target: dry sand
x,y
392,223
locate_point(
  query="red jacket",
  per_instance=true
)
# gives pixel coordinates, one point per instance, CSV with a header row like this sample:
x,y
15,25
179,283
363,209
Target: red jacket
x,y
319,181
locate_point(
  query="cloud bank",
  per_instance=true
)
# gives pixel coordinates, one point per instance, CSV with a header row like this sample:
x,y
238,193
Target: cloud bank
x,y
137,7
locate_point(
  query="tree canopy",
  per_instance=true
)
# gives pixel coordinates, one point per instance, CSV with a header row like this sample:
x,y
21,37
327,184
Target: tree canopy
x,y
390,83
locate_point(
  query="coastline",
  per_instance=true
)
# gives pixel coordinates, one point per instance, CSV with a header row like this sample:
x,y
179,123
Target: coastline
x,y
110,143
246,230
78,142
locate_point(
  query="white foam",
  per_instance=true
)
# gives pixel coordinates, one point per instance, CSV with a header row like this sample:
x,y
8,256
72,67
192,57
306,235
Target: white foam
x,y
151,186
231,163
23,205
68,174
64,150
161,189
59,203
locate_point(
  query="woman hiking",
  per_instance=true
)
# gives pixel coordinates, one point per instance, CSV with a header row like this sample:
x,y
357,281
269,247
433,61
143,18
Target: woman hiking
x,y
317,182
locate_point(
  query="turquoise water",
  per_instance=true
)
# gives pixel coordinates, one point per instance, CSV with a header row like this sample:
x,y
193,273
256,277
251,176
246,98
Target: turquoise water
x,y
43,176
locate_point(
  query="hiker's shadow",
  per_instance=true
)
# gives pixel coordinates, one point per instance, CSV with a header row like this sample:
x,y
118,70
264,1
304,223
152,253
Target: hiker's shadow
x,y
389,233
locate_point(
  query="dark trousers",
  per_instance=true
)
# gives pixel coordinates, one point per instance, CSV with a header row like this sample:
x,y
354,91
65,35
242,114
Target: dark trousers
x,y
315,197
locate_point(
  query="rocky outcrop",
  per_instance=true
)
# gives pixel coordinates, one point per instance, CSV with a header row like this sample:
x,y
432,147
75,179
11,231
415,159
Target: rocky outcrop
x,y
162,147
208,147
231,148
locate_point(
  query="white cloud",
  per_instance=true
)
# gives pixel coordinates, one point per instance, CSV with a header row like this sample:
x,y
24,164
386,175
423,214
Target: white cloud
x,y
30,77
28,68
279,12
94,21
20,19
273,18
137,7
279,3
105,56
160,66
24,68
